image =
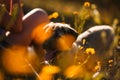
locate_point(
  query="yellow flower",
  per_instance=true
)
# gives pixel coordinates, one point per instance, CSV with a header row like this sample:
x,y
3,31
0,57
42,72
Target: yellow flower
x,y
53,15
87,4
90,51
50,69
110,61
98,66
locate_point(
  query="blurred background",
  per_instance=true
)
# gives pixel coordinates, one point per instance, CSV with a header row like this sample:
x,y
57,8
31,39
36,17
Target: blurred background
x,y
108,10
81,15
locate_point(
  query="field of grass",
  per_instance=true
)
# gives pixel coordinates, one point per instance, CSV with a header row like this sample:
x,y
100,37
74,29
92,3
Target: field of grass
x,y
80,15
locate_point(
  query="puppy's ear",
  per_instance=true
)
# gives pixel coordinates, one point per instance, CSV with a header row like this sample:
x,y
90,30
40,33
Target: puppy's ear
x,y
99,37
63,36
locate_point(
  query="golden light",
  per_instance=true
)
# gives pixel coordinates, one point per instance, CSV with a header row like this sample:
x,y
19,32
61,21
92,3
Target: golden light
x,y
65,42
48,72
14,60
74,71
40,34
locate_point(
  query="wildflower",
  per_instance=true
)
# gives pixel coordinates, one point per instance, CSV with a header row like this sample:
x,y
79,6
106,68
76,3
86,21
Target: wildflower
x,y
90,51
54,15
82,16
86,4
110,62
98,66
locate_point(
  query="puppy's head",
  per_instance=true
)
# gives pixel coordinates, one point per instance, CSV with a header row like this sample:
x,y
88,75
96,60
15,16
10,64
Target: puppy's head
x,y
61,38
98,37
